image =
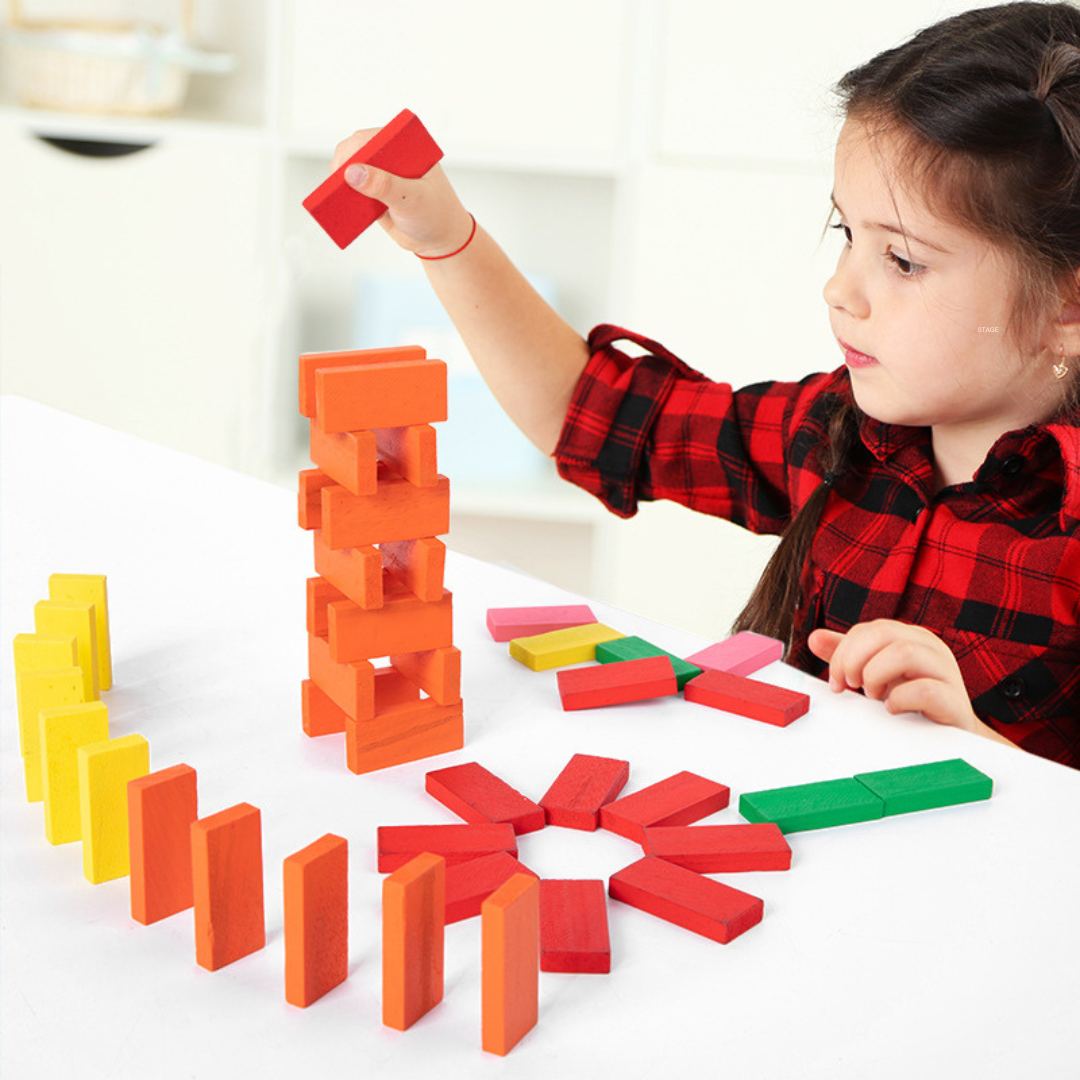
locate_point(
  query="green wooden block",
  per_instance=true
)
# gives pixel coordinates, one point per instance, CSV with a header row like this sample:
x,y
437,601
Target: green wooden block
x,y
635,648
812,806
926,787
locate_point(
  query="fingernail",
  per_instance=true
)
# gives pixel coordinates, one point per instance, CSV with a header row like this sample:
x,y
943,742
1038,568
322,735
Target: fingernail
x,y
355,175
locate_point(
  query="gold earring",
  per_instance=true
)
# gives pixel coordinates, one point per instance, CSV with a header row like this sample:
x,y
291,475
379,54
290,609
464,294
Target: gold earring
x,y
1061,369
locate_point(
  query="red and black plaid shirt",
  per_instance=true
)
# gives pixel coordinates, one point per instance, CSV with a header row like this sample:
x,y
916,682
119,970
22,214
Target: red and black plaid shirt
x,y
992,566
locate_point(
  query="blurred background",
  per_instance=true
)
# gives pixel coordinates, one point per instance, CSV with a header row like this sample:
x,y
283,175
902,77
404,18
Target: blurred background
x,y
661,164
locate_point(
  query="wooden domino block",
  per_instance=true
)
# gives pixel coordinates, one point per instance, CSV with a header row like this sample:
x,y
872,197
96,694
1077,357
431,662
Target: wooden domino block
x,y
89,589
34,691
470,883
403,147
742,654
397,511
927,787
403,733
477,795
507,623
320,715
585,785
309,497
402,624
559,648
316,901
678,800
349,458
403,393
687,899
510,964
419,565
410,451
397,844
78,620
635,648
62,730
227,886
436,671
574,927
812,806
617,683
312,362
719,849
105,768
162,807
747,697
320,595
44,652
414,927
355,572
351,687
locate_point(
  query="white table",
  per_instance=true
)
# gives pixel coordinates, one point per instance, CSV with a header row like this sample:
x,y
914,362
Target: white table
x,y
938,944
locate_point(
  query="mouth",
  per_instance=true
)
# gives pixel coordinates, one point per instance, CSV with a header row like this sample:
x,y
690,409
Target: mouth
x,y
855,359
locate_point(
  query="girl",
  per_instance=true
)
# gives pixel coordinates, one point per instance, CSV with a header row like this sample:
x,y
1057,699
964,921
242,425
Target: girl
x,y
928,490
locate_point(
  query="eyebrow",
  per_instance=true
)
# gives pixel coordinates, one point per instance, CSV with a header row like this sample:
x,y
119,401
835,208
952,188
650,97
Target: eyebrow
x,y
894,229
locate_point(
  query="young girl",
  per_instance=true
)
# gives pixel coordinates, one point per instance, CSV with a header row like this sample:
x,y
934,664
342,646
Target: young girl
x,y
928,490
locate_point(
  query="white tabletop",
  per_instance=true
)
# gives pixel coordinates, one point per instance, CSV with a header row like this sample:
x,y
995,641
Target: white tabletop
x,y
945,943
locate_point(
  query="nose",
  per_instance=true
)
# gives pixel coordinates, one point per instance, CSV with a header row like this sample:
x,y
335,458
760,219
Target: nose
x,y
844,291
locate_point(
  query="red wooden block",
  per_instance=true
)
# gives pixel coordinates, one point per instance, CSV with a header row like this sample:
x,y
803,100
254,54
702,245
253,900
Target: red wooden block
x,y
617,683
320,594
349,458
747,697
405,393
403,147
309,500
469,884
161,808
687,899
321,715
226,864
398,844
405,732
574,927
436,671
397,511
717,849
586,784
357,573
678,800
505,624
410,451
477,795
402,624
312,362
316,898
418,564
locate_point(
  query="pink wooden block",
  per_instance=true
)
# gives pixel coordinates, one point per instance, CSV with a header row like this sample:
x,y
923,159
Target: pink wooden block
x,y
508,623
742,654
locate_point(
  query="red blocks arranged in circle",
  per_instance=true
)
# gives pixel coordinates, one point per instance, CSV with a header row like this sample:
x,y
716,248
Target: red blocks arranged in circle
x,y
382,664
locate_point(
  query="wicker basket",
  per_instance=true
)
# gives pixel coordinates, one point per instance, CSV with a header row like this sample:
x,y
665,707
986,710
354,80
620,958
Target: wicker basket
x,y
98,67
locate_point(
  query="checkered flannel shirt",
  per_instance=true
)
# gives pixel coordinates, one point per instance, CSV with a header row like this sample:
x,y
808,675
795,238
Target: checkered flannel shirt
x,y
992,566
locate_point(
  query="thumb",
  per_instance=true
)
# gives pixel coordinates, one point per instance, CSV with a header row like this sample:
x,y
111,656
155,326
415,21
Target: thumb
x,y
374,183
823,643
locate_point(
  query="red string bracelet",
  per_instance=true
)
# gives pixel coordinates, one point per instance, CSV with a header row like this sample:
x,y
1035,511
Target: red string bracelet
x,y
451,254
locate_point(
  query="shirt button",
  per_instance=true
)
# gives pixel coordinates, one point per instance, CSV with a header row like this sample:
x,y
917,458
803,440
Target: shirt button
x,y
1013,466
1013,687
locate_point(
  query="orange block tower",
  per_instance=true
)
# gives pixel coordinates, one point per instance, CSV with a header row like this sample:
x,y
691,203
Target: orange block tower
x,y
382,665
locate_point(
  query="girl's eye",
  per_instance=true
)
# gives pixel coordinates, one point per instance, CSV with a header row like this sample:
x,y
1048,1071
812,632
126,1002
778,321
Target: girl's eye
x,y
847,231
904,267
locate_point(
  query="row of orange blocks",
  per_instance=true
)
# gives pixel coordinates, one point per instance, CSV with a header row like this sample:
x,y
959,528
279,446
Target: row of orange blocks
x,y
376,504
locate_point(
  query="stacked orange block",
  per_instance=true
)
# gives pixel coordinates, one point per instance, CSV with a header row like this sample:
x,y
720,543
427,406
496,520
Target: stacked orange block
x,y
381,661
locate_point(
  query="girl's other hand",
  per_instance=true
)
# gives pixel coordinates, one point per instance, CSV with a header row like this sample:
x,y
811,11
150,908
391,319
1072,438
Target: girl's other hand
x,y
423,216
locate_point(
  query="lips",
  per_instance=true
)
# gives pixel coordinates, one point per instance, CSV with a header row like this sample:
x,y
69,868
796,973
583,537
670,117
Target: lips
x,y
854,358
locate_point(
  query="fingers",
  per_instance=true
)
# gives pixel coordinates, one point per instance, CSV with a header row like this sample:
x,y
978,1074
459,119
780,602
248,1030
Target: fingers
x,y
347,147
823,643
875,655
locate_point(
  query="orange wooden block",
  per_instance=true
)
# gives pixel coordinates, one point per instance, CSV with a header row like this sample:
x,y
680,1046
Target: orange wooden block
x,y
510,965
356,572
419,564
309,500
161,809
227,880
347,457
402,733
321,715
398,393
351,687
397,511
402,624
414,927
436,671
410,451
320,594
316,898
311,362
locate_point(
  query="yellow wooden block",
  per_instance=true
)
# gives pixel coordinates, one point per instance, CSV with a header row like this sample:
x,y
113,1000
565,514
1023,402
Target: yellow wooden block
x,y
89,589
44,652
34,691
557,648
105,768
61,617
63,730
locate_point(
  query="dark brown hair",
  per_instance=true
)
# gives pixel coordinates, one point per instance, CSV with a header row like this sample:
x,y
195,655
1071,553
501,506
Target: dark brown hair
x,y
984,108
